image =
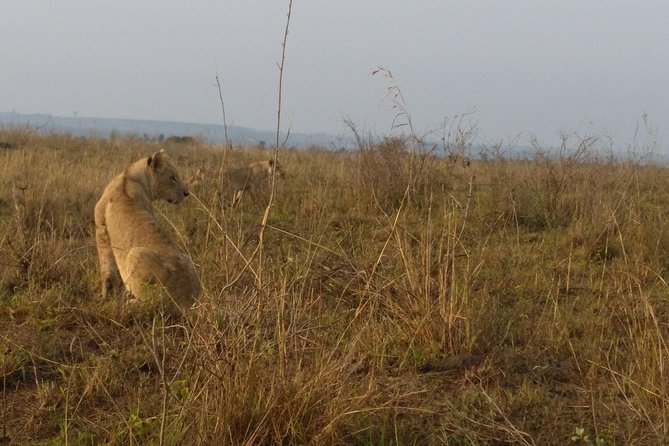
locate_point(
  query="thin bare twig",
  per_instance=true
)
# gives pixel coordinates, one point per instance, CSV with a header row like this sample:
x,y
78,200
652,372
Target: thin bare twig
x,y
228,144
263,224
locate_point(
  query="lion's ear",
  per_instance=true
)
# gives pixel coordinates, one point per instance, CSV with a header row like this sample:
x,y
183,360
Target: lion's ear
x,y
271,162
157,160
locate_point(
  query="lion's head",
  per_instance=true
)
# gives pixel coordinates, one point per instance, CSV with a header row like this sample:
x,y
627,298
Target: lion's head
x,y
273,165
164,179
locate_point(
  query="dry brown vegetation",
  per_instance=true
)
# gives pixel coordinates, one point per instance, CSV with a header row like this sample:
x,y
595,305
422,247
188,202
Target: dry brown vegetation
x,y
398,299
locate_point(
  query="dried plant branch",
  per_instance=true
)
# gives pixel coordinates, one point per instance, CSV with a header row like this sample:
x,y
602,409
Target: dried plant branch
x,y
263,224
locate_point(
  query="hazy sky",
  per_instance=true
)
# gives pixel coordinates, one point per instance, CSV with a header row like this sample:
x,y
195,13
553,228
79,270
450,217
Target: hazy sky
x,y
533,67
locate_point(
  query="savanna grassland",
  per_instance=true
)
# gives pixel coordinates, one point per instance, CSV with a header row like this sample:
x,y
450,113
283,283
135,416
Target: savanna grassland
x,y
392,298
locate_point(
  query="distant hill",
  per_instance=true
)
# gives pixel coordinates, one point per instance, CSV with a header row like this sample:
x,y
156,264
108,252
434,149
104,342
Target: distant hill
x,y
212,133
243,136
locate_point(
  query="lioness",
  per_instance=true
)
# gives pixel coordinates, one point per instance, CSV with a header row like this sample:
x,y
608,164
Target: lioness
x,y
253,178
129,240
263,169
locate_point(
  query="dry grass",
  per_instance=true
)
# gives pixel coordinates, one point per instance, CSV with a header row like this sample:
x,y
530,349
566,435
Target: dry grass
x,y
404,300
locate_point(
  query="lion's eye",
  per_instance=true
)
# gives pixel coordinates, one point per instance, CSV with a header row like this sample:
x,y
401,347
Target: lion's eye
x,y
173,178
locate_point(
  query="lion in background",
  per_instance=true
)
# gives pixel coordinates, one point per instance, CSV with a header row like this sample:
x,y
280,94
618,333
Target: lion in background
x,y
131,245
254,179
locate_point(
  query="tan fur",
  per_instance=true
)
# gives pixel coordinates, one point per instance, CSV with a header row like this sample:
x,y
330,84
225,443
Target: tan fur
x,y
253,178
263,169
131,245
